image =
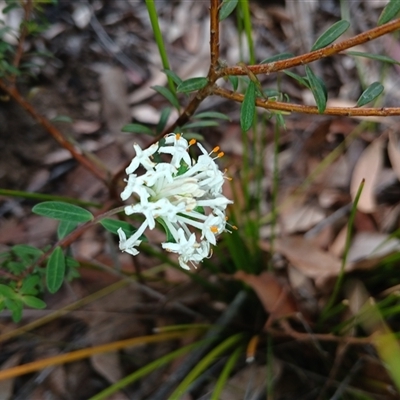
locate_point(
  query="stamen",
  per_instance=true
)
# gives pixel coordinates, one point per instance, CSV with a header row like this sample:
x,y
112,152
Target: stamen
x,y
192,142
178,136
221,154
215,149
214,229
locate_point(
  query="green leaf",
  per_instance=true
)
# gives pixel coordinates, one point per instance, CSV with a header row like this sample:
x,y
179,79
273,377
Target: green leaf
x,y
173,76
192,84
170,238
33,302
227,8
331,34
27,252
370,93
377,57
296,77
112,225
30,285
7,292
248,108
65,228
165,113
62,211
168,95
211,114
200,124
137,128
55,270
234,80
389,12
318,89
277,57
62,118
15,306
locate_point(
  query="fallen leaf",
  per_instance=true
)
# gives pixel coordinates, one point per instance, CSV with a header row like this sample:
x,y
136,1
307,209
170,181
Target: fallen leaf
x,y
274,297
368,167
369,245
313,262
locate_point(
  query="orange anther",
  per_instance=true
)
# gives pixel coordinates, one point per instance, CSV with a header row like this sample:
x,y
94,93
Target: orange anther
x,y
215,149
192,142
235,227
221,154
214,229
178,136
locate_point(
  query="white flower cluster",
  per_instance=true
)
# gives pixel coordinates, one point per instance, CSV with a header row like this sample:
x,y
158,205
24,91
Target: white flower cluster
x,y
179,194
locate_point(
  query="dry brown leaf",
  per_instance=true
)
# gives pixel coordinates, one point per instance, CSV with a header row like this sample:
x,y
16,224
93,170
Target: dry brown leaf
x,y
114,99
307,257
86,127
6,386
276,300
394,153
368,167
372,245
107,365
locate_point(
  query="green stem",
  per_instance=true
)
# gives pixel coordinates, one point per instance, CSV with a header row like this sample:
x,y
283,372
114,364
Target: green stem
x,y
151,8
244,4
340,278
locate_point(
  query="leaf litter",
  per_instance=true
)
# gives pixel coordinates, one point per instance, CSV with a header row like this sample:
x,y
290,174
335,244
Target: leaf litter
x,y
122,93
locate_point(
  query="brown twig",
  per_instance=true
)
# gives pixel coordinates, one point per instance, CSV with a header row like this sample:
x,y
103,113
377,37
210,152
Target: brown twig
x,y
212,72
50,128
290,107
314,55
215,73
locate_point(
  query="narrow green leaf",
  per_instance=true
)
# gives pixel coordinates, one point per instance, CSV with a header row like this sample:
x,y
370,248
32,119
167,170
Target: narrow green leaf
x,y
137,128
370,94
30,285
234,80
389,12
173,76
7,292
318,89
15,306
55,270
170,238
192,84
62,211
227,8
65,228
62,118
33,302
211,114
26,251
200,124
277,57
165,113
296,77
248,108
168,95
331,34
377,57
112,225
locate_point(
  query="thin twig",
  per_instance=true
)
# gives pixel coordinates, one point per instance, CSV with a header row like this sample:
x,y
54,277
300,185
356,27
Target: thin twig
x,y
57,135
314,55
290,107
214,39
212,73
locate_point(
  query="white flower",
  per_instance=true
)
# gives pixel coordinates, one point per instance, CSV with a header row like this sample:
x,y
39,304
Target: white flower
x,y
183,195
